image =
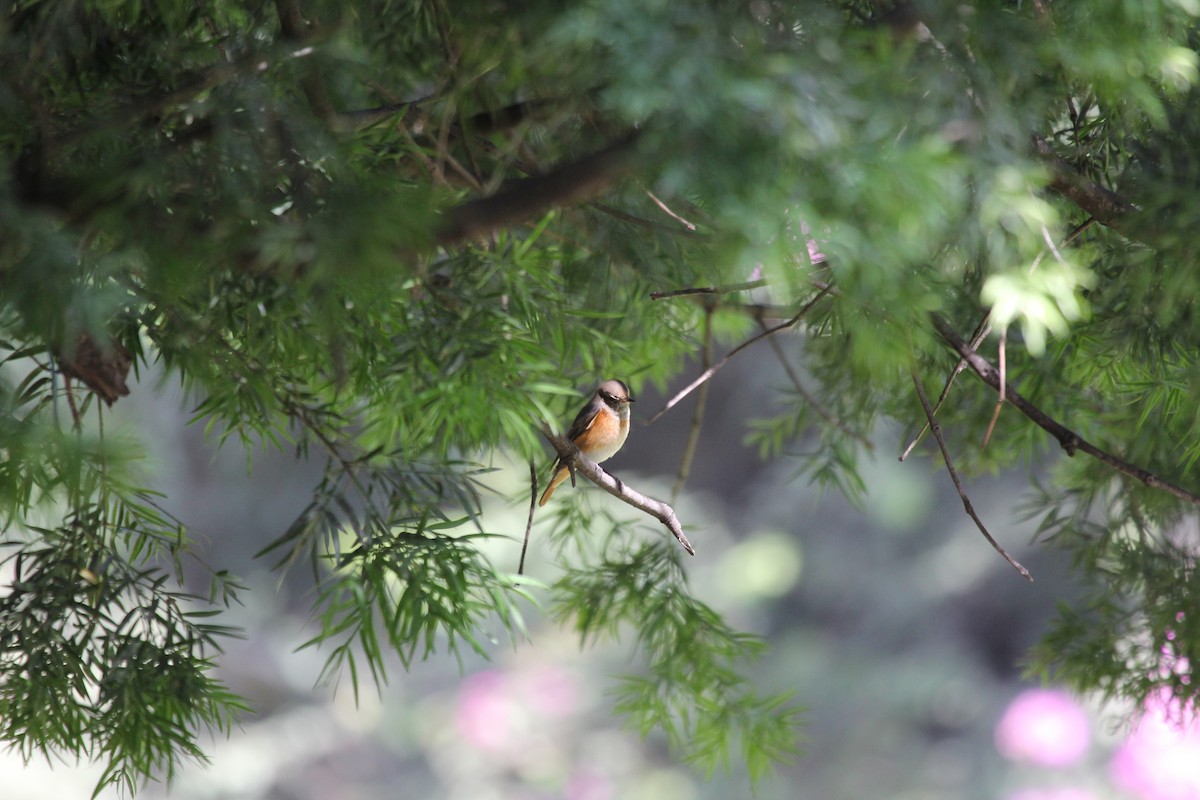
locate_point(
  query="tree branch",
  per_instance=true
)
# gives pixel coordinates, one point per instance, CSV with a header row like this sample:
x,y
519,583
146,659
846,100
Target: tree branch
x,y
1105,205
981,332
533,494
1067,438
708,373
295,29
962,494
569,184
578,462
733,287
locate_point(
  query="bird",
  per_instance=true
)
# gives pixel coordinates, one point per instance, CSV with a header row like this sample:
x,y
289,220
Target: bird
x,y
599,429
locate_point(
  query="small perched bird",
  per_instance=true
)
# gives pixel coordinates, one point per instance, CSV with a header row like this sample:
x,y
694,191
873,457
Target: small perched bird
x,y
599,429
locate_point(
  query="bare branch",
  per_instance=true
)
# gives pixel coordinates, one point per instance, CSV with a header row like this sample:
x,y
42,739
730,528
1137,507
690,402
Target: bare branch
x,y
578,462
937,434
981,332
667,210
569,184
1067,438
733,287
296,29
533,493
708,373
1108,207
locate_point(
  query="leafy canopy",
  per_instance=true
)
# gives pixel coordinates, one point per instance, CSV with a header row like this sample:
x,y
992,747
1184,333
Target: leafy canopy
x,y
397,236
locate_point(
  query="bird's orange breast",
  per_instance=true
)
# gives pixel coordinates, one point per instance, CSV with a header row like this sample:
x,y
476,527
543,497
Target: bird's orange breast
x,y
604,436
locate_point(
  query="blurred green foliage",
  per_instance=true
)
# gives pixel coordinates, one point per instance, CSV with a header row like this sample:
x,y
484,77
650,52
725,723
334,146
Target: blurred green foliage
x,y
398,236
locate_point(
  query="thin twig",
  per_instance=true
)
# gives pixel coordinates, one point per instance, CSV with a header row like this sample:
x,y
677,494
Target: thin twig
x,y
981,332
689,448
733,287
1003,382
666,209
578,462
708,373
937,434
1070,441
633,219
76,421
533,493
1049,240
1078,229
808,397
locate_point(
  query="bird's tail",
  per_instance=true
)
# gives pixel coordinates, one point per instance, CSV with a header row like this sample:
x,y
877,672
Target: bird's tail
x,y
559,477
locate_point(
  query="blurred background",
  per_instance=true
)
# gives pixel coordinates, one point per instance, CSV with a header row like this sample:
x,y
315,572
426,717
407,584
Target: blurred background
x,y
895,625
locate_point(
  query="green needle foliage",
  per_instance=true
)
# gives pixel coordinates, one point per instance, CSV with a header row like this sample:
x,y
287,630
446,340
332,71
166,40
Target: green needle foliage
x,y
398,236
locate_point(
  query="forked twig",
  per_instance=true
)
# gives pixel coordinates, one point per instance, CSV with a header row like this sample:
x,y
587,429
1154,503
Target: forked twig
x,y
708,373
1071,441
980,333
937,434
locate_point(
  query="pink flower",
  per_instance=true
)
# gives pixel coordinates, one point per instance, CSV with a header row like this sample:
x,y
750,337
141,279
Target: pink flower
x,y
589,785
1044,727
549,691
1061,793
486,716
1160,759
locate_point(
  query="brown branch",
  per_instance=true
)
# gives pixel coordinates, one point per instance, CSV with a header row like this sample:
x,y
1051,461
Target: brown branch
x,y
708,373
1070,441
295,29
981,332
733,287
937,434
578,462
569,184
1108,207
533,493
